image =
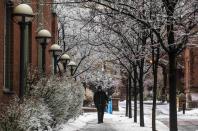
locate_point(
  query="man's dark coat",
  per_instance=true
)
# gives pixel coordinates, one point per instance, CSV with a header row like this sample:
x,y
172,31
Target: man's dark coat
x,y
100,99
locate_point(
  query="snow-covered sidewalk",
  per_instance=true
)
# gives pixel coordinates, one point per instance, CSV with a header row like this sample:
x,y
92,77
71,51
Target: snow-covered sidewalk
x,y
112,122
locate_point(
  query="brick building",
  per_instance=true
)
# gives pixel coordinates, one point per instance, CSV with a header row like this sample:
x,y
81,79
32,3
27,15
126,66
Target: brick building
x,y
10,43
191,73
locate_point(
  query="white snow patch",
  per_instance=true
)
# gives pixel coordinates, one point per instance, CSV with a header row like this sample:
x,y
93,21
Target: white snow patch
x,y
117,121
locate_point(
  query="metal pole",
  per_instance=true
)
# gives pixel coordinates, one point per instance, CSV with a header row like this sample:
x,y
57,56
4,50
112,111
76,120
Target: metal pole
x,y
22,25
72,71
65,65
43,57
55,62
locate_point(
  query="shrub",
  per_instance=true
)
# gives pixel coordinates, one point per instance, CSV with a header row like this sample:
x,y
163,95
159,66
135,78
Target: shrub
x,y
63,96
98,77
51,102
48,102
22,115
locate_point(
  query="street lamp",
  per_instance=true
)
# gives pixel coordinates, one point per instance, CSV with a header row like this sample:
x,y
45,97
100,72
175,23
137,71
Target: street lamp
x,y
72,65
43,37
23,13
65,59
56,51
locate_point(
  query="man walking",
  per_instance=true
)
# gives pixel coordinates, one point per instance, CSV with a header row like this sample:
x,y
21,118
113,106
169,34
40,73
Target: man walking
x,y
100,101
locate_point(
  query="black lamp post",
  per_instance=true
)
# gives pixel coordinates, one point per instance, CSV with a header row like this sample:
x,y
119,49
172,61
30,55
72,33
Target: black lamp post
x,y
72,65
65,59
43,38
56,51
23,14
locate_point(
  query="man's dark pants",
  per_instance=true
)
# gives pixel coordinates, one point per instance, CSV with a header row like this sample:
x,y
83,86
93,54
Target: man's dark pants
x,y
100,110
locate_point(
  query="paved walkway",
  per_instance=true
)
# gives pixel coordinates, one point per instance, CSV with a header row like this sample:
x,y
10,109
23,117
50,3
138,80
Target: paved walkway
x,y
93,126
185,125
119,123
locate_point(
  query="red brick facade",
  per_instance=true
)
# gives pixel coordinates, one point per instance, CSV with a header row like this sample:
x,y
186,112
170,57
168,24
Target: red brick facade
x,y
191,71
49,22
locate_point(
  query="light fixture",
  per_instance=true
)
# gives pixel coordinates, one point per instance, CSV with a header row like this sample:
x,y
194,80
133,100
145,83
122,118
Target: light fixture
x,y
65,58
72,64
43,37
56,51
23,13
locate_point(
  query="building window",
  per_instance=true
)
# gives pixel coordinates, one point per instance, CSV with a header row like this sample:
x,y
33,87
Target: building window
x,y
8,48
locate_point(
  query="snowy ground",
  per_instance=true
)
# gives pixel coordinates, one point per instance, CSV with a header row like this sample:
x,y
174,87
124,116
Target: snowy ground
x,y
162,111
118,122
186,122
115,122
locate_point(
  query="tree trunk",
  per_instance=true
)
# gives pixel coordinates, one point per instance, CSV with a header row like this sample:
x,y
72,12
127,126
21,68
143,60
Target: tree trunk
x,y
135,92
129,87
172,67
154,103
172,92
127,103
164,89
141,92
155,70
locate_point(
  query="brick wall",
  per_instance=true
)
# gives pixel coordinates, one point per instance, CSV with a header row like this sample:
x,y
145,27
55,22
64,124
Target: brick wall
x,y
49,23
16,58
191,68
194,68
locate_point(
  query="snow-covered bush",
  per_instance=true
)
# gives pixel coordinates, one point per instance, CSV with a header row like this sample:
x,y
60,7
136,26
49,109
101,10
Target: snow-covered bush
x,y
49,102
22,115
33,76
35,114
99,77
63,96
9,116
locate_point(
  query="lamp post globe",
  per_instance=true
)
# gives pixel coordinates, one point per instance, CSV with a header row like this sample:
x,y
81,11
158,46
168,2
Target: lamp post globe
x,y
23,13
43,37
56,50
72,65
65,58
